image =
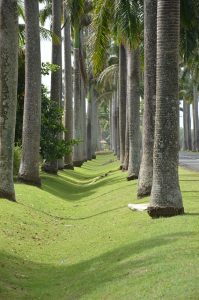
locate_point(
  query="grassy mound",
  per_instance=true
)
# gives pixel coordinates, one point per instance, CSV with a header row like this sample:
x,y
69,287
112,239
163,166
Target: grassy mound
x,y
76,239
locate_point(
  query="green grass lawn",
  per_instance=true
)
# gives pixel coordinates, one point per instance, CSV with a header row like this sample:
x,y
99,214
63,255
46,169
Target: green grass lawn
x,y
76,239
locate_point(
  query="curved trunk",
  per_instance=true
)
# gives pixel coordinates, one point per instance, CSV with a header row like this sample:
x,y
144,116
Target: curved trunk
x,y
68,103
166,199
29,167
133,98
150,41
8,94
77,152
56,77
122,101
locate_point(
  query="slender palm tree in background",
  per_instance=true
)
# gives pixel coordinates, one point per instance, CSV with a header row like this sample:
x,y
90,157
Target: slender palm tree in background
x,y
8,94
166,199
150,28
29,167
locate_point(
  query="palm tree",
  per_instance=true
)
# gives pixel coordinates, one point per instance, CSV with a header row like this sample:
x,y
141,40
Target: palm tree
x,y
77,11
133,98
29,167
166,199
122,102
150,28
8,94
56,77
68,105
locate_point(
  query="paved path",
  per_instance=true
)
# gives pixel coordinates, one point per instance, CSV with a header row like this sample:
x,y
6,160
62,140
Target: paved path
x,y
189,160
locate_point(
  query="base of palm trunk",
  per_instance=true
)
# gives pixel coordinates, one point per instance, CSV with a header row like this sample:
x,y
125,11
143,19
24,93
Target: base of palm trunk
x,y
68,167
35,182
93,156
78,163
132,177
8,196
49,169
157,212
60,164
143,192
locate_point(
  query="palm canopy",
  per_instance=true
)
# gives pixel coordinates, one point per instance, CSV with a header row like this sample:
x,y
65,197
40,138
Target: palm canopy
x,y
119,20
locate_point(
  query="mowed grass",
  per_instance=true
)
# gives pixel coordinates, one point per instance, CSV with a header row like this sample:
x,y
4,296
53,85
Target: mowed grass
x,y
76,239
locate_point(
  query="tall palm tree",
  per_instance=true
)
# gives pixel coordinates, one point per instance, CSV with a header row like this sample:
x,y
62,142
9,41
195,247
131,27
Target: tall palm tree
x,y
166,199
122,101
150,28
29,167
56,77
77,12
8,94
68,105
133,98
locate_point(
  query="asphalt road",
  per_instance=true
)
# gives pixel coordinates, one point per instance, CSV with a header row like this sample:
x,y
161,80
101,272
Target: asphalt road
x,y
189,160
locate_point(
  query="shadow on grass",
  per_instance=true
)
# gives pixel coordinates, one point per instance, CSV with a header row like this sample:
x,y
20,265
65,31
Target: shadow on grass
x,y
65,281
73,219
66,189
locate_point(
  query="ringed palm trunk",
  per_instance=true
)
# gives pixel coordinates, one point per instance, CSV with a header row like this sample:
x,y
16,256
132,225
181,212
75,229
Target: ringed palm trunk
x,y
133,96
68,104
29,167
166,199
8,94
56,77
122,102
150,40
78,149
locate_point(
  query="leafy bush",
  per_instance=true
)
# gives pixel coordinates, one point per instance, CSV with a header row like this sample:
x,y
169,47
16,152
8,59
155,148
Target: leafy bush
x,y
53,146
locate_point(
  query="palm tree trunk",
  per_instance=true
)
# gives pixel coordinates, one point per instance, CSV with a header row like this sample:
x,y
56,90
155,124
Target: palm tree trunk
x,y
122,101
195,119
56,77
110,122
89,123
166,199
187,126
84,129
8,94
77,153
126,158
133,98
150,41
29,167
68,104
94,125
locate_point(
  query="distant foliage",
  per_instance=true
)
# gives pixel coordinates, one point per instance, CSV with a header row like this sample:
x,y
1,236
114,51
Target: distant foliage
x,y
53,146
46,68
17,159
